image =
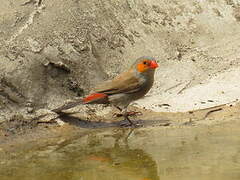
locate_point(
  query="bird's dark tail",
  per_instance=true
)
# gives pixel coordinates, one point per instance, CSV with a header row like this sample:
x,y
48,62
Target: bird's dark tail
x,y
95,98
68,106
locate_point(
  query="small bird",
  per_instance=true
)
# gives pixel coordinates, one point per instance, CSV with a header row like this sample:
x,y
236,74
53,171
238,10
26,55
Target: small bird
x,y
126,87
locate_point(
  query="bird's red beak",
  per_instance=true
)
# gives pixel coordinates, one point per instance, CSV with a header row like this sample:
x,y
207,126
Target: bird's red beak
x,y
153,65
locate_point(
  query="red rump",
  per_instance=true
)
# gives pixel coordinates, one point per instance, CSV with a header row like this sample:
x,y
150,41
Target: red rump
x,y
94,97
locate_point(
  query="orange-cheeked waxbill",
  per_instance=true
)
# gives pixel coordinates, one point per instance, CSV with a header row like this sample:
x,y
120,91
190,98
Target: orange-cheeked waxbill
x,y
127,87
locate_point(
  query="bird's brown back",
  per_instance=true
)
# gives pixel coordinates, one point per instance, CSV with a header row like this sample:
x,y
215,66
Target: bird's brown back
x,y
126,82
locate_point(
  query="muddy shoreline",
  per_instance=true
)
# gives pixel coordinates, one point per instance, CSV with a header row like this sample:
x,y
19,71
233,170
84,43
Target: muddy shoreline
x,y
188,135
17,133
53,51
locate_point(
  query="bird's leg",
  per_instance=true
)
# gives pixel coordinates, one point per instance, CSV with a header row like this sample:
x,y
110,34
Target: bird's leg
x,y
127,118
125,114
130,113
120,109
134,113
118,114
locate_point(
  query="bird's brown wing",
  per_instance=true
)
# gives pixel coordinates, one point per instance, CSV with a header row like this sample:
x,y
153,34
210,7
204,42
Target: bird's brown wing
x,y
124,83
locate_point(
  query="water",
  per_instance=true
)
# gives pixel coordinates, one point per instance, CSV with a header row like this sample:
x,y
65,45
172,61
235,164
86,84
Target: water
x,y
180,153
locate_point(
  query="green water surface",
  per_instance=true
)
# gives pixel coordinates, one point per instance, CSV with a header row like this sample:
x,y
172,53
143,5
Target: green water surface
x,y
181,153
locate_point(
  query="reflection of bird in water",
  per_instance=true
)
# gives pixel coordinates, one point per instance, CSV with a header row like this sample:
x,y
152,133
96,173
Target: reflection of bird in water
x,y
123,160
98,155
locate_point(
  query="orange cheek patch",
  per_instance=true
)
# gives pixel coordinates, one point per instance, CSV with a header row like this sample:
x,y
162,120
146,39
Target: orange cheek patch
x,y
141,67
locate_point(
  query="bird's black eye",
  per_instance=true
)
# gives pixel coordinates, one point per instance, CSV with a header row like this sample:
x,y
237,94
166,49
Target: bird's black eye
x,y
145,62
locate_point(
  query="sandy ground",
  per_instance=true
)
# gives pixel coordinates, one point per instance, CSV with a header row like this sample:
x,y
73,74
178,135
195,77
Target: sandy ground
x,y
53,51
74,125
223,88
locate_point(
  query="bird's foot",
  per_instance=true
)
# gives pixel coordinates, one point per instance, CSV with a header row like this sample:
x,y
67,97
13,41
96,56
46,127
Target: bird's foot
x,y
130,113
134,113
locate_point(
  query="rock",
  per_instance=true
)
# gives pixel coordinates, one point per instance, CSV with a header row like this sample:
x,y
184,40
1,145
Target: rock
x,y
45,115
30,109
60,122
34,45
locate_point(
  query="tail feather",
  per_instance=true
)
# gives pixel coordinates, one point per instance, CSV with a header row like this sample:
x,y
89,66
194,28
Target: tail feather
x,y
68,105
96,98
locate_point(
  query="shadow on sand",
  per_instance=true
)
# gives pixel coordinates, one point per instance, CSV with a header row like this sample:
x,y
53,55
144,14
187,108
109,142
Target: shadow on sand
x,y
101,124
